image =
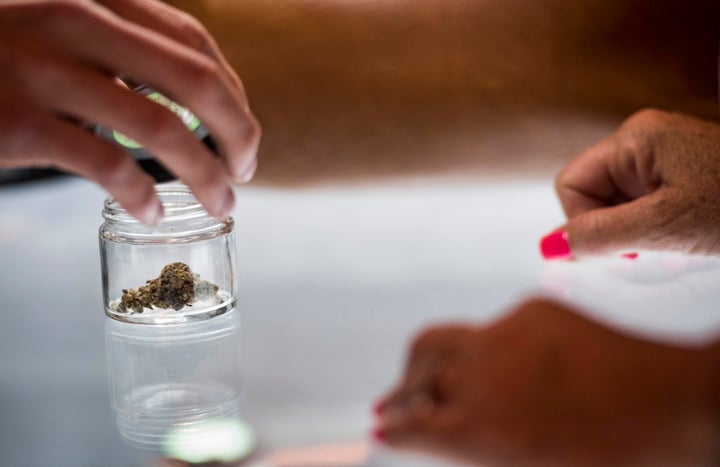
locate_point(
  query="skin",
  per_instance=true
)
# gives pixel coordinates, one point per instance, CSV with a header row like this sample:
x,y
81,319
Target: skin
x,y
399,102
482,88
546,386
653,184
60,59
355,90
476,87
448,89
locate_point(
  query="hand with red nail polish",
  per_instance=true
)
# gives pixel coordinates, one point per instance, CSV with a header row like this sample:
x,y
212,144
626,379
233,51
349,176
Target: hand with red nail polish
x,y
555,246
654,184
546,386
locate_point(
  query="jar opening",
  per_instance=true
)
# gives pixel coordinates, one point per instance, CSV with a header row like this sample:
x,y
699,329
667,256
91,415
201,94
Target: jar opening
x,y
179,204
184,218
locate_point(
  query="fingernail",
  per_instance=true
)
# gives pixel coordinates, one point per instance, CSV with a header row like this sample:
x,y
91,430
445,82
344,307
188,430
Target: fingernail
x,y
153,214
228,204
630,256
377,408
555,246
246,174
378,435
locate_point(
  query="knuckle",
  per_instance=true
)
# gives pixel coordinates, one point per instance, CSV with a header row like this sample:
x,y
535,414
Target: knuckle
x,y
633,148
68,11
65,18
647,116
162,128
21,127
118,168
193,32
208,176
205,79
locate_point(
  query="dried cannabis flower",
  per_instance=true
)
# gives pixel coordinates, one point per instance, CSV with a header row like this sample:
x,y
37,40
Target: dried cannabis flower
x,y
176,287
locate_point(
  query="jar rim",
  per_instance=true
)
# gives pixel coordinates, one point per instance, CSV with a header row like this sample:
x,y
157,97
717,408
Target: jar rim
x,y
184,219
178,202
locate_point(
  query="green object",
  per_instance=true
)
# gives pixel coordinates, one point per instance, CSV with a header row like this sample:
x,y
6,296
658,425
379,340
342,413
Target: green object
x,y
124,141
187,117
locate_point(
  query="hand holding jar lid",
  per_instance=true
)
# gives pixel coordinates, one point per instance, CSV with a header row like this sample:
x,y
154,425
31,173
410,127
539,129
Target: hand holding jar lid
x,y
60,59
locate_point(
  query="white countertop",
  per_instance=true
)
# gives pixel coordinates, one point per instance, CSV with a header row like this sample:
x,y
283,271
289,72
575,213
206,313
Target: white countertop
x,y
334,282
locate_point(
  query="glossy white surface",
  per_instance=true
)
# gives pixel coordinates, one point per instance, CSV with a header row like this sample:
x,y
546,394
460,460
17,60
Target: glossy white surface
x,y
334,284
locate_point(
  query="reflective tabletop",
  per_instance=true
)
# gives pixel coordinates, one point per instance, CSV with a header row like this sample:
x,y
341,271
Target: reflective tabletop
x,y
334,283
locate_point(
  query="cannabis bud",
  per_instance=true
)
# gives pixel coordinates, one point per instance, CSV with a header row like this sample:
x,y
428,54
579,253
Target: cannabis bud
x,y
176,287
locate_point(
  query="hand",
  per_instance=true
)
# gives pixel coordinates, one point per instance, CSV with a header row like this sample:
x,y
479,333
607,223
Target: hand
x,y
654,184
545,386
60,59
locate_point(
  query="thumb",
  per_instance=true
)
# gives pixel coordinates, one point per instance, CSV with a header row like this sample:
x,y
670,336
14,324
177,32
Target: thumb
x,y
658,221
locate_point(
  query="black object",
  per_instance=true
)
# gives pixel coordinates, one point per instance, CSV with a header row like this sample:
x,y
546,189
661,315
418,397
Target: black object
x,y
161,173
16,176
146,160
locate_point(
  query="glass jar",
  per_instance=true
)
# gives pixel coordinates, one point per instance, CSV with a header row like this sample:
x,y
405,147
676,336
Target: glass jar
x,y
179,271
180,377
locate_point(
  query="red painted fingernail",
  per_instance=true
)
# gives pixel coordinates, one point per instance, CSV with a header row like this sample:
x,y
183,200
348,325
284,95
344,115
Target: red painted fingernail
x,y
378,434
629,256
377,408
555,246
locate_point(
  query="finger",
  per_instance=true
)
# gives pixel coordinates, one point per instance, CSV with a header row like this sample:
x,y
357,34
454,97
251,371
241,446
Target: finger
x,y
185,75
175,24
664,220
431,432
440,341
431,365
67,146
100,100
422,396
609,173
408,399
430,352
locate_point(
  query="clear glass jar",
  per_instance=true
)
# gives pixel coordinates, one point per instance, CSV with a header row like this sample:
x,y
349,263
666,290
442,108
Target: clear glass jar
x,y
177,377
181,270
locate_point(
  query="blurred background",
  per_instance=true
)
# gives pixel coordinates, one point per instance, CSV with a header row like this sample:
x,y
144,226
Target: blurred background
x,y
489,98
350,88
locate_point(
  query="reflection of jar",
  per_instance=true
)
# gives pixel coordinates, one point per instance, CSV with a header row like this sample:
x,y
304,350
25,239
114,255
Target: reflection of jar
x,y
133,254
165,378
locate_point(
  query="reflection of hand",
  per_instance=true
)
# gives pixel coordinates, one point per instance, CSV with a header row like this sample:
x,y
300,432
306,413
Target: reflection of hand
x,y
59,58
545,386
654,184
